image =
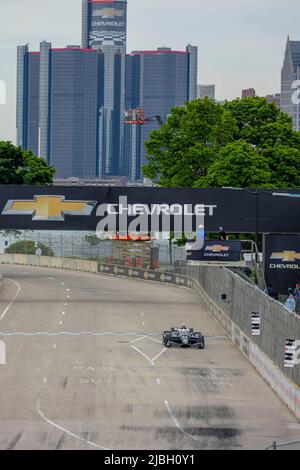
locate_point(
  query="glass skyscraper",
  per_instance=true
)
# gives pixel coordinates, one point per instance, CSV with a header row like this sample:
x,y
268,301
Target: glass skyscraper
x,y
71,102
104,27
156,81
290,82
58,104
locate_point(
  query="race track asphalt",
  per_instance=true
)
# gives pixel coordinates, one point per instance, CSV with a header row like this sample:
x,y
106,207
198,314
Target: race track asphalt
x,y
86,369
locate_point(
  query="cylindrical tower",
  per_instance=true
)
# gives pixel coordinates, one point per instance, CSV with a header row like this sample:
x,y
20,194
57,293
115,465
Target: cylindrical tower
x,y
104,26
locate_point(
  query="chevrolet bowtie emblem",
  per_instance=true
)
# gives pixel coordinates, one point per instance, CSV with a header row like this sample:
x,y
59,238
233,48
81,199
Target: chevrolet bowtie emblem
x,y
286,256
48,208
217,248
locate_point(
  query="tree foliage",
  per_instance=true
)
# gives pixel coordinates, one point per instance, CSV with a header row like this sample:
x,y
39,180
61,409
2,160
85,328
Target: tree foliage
x,y
27,247
246,143
18,166
238,165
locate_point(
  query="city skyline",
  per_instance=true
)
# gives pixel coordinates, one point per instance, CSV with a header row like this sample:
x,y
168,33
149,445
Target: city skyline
x,y
255,59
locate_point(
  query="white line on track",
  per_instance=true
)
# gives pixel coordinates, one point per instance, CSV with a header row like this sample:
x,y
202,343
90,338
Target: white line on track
x,y
144,355
70,333
12,301
158,381
152,361
153,339
68,296
63,313
158,355
72,434
138,339
178,425
61,322
51,278
45,380
66,304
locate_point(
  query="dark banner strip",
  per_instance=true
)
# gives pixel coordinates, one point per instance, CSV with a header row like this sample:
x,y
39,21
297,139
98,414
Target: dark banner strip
x,y
282,262
215,250
145,275
82,208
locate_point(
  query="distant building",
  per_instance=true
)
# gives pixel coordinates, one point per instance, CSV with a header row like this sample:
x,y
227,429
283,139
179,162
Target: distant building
x,y
249,93
208,91
156,81
290,82
90,182
274,99
104,27
58,101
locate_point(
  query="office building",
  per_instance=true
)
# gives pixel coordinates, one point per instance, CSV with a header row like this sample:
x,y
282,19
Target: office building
x,y
58,102
290,82
156,81
104,26
206,91
249,93
275,99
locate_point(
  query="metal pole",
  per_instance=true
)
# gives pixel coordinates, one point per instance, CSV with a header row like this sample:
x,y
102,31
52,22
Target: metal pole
x,y
257,218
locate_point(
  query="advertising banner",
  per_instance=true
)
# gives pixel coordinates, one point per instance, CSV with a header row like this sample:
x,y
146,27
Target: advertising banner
x,y
215,250
108,21
255,324
289,353
82,208
282,262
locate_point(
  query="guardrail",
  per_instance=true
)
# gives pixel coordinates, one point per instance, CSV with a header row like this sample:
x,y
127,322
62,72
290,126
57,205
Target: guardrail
x,y
286,389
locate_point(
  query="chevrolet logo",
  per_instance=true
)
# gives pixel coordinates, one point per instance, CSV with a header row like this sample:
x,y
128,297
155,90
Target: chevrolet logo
x,y
217,248
286,256
53,208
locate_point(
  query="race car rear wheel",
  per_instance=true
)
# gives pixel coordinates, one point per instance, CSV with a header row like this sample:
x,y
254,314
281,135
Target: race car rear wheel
x,y
166,335
202,343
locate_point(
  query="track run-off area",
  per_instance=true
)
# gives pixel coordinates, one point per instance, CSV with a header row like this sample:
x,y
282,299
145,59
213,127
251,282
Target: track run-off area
x,y
86,369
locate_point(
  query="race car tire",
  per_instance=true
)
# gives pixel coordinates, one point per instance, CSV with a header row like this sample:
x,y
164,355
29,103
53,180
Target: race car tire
x,y
168,343
202,344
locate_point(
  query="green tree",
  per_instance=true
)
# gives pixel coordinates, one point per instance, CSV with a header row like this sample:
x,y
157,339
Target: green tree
x,y
238,165
284,163
183,149
193,148
27,247
23,167
92,239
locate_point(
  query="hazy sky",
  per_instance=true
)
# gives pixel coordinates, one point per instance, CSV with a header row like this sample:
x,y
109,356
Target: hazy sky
x,y
241,42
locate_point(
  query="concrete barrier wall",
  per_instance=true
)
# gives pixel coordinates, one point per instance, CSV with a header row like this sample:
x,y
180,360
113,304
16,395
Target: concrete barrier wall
x,y
277,323
51,262
234,317
286,389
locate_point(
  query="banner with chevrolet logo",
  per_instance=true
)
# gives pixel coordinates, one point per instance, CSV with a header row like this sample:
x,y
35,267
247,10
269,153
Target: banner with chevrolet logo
x,y
77,208
282,261
215,250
